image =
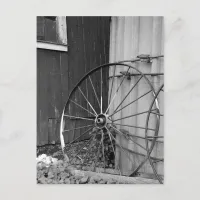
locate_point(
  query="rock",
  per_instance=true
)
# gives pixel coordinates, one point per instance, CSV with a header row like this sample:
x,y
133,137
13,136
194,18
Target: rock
x,y
39,173
87,168
77,177
41,166
48,160
84,168
61,169
78,162
42,180
50,175
54,182
56,154
53,169
111,181
78,166
102,182
41,157
84,180
54,160
61,181
65,175
67,181
92,182
65,164
95,178
66,158
72,181
49,181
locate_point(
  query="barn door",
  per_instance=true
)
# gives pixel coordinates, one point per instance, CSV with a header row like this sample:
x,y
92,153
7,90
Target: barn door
x,y
52,73
88,39
59,70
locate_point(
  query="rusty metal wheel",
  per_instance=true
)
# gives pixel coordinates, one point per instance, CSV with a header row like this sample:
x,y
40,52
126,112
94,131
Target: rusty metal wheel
x,y
156,138
150,139
92,117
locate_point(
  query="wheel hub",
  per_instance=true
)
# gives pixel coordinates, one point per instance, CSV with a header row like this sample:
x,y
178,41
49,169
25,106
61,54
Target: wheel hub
x,y
101,120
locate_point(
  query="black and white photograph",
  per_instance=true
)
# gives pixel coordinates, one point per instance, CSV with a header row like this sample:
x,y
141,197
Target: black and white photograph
x,y
100,99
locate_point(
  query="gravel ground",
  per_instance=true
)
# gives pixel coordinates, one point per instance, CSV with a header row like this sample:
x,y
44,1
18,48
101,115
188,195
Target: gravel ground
x,y
85,152
53,171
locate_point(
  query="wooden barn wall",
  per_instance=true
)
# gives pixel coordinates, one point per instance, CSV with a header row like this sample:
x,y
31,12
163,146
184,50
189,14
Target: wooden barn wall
x,y
52,92
88,41
130,37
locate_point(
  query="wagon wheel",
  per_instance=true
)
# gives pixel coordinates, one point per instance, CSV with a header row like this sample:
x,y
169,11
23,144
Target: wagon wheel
x,y
156,137
96,116
151,140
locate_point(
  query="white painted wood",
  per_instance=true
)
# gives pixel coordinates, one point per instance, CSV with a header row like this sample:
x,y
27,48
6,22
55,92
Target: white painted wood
x,y
50,46
61,28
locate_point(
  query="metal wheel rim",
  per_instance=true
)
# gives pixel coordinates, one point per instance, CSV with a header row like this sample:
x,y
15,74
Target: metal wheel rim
x,y
84,78
156,134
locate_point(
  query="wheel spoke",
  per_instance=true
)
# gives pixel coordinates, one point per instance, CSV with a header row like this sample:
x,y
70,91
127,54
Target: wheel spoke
x,y
78,128
102,134
117,90
128,93
130,135
131,102
86,91
95,92
97,156
80,149
123,149
77,117
88,151
87,101
81,135
109,133
82,107
139,127
130,116
155,137
101,92
110,139
112,85
129,138
156,113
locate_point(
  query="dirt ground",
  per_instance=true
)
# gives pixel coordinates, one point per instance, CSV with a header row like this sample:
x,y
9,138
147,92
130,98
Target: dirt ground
x,y
52,169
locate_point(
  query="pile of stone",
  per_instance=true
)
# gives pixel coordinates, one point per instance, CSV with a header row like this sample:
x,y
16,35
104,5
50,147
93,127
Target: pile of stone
x,y
53,171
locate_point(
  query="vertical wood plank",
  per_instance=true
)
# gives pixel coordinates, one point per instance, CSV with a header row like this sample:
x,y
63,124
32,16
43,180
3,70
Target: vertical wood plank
x,y
43,107
64,69
86,38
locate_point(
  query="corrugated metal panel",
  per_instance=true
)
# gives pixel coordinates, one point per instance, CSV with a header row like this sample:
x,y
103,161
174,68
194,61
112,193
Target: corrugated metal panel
x,y
131,36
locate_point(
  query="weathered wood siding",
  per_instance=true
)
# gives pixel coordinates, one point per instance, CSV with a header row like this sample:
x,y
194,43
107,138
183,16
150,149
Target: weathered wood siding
x,y
58,72
88,39
52,91
130,37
